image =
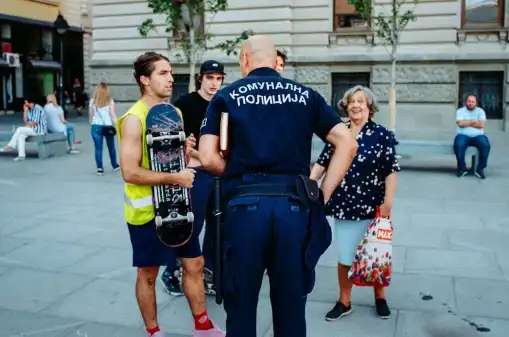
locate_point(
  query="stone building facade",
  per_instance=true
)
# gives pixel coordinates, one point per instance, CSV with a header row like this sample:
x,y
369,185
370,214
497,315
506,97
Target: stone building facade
x,y
452,48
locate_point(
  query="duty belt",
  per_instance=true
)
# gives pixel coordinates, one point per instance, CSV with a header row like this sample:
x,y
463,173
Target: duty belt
x,y
264,190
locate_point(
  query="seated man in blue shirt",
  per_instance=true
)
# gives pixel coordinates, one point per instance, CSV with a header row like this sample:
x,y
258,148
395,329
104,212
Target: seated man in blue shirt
x,y
470,132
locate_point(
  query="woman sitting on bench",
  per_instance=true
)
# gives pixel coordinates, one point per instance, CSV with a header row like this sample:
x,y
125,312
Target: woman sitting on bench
x,y
35,125
57,122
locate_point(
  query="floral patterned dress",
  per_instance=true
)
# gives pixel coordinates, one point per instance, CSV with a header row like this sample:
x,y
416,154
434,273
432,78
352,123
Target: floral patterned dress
x,y
363,187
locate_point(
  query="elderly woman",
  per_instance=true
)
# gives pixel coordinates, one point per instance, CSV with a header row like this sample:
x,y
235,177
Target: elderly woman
x,y
370,183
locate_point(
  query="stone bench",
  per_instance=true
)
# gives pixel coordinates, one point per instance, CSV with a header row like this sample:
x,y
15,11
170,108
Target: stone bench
x,y
425,148
48,145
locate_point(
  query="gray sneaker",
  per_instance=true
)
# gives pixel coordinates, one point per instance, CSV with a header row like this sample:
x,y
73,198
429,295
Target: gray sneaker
x,y
171,283
208,281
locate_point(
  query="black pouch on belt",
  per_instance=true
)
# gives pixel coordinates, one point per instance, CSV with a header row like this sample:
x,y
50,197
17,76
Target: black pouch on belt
x,y
307,190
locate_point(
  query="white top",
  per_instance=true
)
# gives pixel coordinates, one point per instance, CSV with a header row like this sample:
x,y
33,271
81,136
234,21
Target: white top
x,y
463,114
101,115
53,114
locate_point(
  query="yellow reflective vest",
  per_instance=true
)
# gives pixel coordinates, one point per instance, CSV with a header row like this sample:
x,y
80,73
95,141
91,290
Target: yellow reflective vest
x,y
138,203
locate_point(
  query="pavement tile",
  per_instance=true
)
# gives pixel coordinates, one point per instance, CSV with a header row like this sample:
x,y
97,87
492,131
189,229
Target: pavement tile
x,y
486,240
9,243
414,236
65,232
22,324
496,223
497,327
476,207
452,263
403,205
109,263
482,298
105,301
429,221
52,256
33,290
115,237
428,324
10,224
503,261
106,330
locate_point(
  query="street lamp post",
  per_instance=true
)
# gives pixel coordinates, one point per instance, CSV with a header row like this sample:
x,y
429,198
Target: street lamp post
x,y
61,26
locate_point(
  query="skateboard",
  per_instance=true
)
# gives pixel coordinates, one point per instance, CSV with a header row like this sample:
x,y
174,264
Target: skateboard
x,y
166,150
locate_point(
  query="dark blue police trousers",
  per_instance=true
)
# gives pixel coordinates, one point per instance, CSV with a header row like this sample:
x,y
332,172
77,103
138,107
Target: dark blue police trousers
x,y
265,232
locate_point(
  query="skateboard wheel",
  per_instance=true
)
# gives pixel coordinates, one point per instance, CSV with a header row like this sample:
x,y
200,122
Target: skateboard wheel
x,y
190,217
150,139
182,136
159,221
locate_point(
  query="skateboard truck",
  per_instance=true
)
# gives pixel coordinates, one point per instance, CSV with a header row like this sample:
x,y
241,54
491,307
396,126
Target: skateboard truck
x,y
181,136
174,217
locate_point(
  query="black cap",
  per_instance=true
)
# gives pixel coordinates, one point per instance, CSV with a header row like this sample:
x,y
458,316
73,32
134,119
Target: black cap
x,y
212,66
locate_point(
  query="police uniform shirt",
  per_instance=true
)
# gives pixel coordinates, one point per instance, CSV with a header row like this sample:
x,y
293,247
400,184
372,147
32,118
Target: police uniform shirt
x,y
271,123
193,107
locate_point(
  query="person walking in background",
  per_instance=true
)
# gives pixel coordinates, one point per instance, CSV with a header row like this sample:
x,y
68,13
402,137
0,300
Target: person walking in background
x,y
369,183
103,117
77,96
57,123
35,124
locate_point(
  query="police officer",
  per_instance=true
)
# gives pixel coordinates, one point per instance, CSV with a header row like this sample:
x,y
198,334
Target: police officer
x,y
272,219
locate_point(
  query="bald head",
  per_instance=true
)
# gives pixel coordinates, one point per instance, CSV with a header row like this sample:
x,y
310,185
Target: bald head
x,y
258,51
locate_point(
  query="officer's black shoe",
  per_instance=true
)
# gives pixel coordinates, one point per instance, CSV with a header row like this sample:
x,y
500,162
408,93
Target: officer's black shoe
x,y
480,174
338,311
382,309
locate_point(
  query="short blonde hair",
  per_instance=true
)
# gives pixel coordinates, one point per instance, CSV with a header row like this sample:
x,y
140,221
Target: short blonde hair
x,y
370,97
51,98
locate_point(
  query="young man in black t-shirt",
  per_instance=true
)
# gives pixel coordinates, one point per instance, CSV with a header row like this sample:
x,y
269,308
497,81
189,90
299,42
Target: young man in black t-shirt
x,y
193,107
280,61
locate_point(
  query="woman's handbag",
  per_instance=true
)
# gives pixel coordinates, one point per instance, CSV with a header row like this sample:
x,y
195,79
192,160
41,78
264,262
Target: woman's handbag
x,y
106,130
372,263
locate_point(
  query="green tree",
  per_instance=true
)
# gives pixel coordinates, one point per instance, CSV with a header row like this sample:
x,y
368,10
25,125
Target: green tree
x,y
185,17
387,25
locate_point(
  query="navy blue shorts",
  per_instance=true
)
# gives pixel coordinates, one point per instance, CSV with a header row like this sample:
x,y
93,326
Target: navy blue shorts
x,y
149,251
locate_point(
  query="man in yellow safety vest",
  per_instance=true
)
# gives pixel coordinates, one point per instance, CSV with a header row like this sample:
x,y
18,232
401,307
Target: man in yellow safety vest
x,y
152,72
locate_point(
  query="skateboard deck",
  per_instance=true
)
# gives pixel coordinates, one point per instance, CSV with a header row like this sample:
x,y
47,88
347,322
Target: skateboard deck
x,y
166,149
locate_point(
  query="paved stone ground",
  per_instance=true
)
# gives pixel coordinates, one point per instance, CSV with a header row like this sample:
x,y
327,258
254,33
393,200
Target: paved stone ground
x,y
65,257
